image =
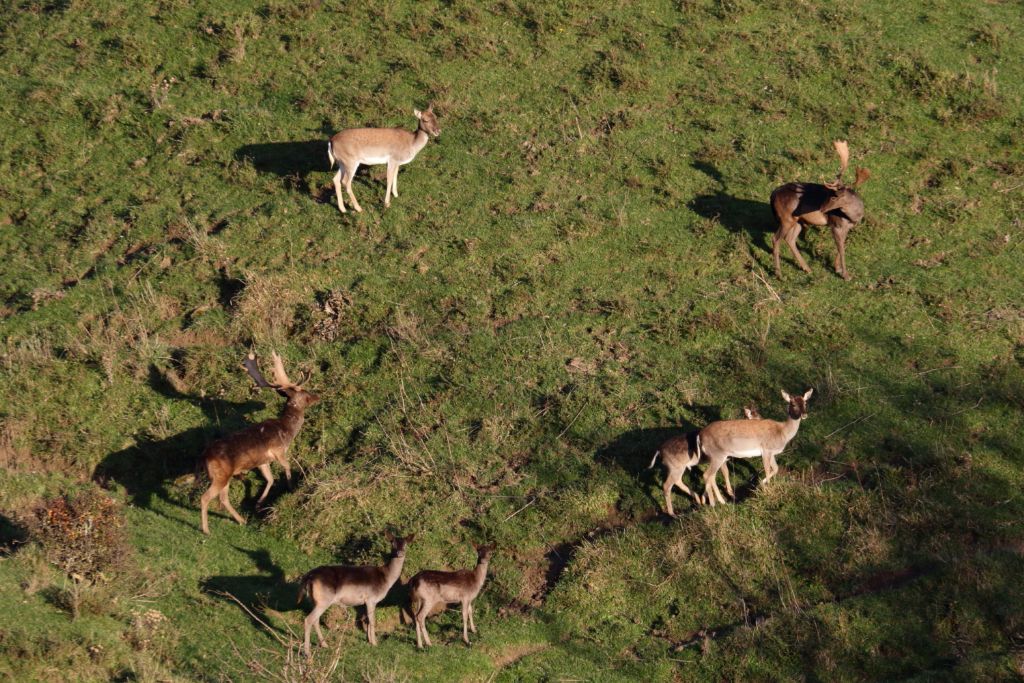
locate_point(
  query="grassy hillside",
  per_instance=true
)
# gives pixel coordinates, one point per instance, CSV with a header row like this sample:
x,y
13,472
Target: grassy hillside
x,y
579,267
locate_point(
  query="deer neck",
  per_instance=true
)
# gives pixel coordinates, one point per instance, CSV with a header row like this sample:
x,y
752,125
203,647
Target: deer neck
x,y
393,569
292,418
419,140
790,427
480,573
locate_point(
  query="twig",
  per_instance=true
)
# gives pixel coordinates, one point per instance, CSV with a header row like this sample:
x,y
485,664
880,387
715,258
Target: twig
x,y
248,611
519,510
760,276
850,424
949,367
964,410
571,422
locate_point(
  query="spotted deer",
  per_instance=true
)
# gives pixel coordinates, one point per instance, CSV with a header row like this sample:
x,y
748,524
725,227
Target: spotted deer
x,y
259,445
726,439
370,146
833,204
431,588
351,586
679,454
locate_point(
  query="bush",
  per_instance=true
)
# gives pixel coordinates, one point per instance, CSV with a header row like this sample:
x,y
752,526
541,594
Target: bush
x,y
83,534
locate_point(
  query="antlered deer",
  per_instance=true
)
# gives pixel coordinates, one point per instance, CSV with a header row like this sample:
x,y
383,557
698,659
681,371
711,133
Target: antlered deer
x,y
351,586
679,454
726,439
833,204
369,146
430,588
259,445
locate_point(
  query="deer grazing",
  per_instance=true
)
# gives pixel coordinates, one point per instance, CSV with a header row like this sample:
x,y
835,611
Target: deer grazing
x,y
369,146
726,439
352,586
259,445
679,454
431,588
833,204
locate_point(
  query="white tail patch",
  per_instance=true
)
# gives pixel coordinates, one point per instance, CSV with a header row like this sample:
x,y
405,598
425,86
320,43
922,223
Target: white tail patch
x,y
654,459
330,154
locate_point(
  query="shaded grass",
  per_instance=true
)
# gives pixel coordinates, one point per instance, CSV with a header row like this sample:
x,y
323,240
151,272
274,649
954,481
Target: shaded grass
x,y
573,271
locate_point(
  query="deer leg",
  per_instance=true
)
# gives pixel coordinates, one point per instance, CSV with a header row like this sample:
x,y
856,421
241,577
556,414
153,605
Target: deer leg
x,y
728,484
371,622
394,183
776,243
683,487
337,188
226,502
710,483
839,235
392,169
204,505
667,488
465,622
766,459
314,618
472,626
350,173
421,623
790,237
269,476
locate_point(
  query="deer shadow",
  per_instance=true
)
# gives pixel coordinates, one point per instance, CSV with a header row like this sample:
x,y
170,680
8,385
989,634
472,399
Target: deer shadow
x,y
151,465
256,594
293,162
13,535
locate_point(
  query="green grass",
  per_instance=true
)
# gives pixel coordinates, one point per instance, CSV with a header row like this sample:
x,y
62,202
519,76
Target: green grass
x,y
578,267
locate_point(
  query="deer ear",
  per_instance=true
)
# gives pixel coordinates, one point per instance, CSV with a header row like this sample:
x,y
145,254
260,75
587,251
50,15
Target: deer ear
x,y
808,394
410,538
388,535
417,113
786,397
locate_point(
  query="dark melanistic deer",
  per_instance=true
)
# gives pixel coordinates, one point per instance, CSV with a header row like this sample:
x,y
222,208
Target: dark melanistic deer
x,y
833,204
259,445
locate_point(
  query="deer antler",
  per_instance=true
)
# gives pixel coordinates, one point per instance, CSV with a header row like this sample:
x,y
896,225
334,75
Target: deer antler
x,y
253,368
280,376
862,175
844,158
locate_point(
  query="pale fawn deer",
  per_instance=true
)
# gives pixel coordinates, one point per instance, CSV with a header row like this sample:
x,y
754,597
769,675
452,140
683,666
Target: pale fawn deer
x,y
833,204
351,586
431,588
259,445
679,453
370,146
726,439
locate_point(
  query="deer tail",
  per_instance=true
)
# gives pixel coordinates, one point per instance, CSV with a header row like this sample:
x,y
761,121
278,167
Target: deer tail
x,y
304,586
330,153
654,459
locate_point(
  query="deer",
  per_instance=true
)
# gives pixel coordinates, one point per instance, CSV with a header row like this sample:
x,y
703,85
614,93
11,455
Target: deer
x,y
833,204
370,146
258,445
679,454
351,586
431,588
726,439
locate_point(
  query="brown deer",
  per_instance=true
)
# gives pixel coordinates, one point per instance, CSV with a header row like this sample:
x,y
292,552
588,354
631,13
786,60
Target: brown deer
x,y
833,204
726,439
679,454
352,586
259,445
369,146
431,588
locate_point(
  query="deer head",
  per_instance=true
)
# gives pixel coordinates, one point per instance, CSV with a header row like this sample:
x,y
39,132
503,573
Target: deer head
x,y
296,395
398,543
844,197
484,552
428,122
797,405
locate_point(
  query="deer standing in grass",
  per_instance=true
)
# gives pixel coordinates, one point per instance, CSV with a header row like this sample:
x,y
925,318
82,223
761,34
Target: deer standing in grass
x,y
431,588
726,439
369,146
352,586
259,445
833,204
679,454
